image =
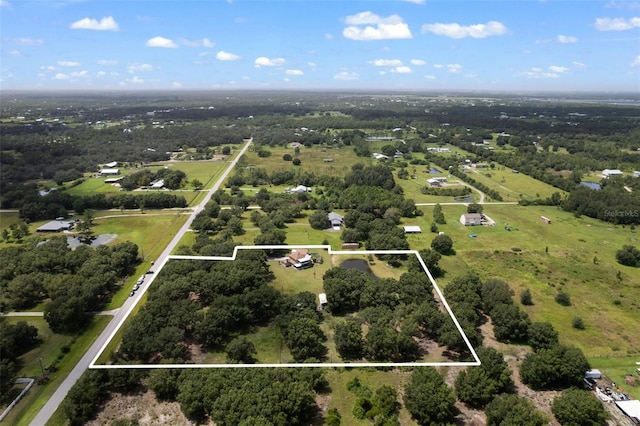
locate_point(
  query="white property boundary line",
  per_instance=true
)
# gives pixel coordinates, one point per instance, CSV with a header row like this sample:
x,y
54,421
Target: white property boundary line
x,y
476,361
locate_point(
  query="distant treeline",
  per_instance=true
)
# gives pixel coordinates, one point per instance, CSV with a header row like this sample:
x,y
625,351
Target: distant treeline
x,y
58,203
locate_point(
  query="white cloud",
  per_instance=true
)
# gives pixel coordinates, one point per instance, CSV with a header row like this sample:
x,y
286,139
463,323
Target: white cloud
x,y
101,73
636,62
4,3
48,68
386,62
416,1
623,5
418,62
375,27
14,52
135,80
438,66
78,74
617,24
263,61
105,24
161,42
108,62
68,63
312,65
294,72
226,56
402,70
61,76
578,64
557,69
205,42
26,41
132,68
537,72
454,68
344,75
176,85
567,39
328,36
430,77
455,30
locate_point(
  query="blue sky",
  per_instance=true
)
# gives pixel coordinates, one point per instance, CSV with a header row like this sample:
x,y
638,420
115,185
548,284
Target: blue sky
x,y
563,45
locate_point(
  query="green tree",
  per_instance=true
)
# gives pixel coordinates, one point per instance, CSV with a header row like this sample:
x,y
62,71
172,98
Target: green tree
x,y
628,256
558,367
319,220
474,208
576,407
477,386
511,410
510,324
348,339
438,216
428,398
197,185
443,244
241,350
333,418
542,335
525,297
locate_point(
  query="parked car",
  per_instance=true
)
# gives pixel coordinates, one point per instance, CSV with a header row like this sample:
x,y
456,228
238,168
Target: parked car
x,y
149,271
132,293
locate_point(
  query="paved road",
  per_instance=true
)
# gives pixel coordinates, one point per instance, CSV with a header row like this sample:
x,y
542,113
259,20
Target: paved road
x,y
56,399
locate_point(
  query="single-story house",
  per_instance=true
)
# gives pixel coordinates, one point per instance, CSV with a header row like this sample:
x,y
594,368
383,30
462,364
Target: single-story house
x,y
471,219
379,156
336,220
113,180
109,172
111,165
434,182
298,189
55,226
299,259
607,173
412,229
157,184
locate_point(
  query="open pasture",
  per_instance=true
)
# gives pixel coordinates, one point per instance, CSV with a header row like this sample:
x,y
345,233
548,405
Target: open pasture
x,y
513,186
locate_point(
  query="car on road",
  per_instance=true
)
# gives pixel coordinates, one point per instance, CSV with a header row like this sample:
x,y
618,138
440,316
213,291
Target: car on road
x,y
149,271
132,294
136,287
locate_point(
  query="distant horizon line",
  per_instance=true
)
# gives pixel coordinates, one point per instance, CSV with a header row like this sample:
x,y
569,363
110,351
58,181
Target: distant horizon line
x,y
633,94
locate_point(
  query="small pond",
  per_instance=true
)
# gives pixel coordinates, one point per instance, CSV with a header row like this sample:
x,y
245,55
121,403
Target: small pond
x,y
591,185
99,240
467,199
359,264
434,171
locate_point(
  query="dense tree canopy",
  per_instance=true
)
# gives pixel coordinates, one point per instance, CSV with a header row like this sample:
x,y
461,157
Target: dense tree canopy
x,y
428,398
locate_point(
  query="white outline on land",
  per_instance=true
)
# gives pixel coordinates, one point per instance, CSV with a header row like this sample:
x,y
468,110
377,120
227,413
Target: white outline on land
x,y
324,365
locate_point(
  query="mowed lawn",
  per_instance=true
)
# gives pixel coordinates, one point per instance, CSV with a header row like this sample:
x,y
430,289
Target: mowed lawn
x,y
576,255
512,186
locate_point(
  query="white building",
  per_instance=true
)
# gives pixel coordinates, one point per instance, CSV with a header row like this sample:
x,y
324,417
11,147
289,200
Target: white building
x,y
607,173
109,172
471,219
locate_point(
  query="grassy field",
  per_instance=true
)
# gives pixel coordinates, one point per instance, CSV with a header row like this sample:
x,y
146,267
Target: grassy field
x,y
512,186
576,255
312,160
49,351
204,171
343,400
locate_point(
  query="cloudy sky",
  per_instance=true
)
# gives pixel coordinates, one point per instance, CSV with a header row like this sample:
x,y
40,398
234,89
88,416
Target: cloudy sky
x,y
569,45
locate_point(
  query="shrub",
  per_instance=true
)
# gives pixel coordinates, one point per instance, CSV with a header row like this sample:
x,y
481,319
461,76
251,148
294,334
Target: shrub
x,y
296,162
525,297
287,157
577,323
563,299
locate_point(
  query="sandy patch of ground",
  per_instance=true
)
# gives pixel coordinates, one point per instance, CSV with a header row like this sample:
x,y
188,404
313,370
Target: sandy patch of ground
x,y
144,408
